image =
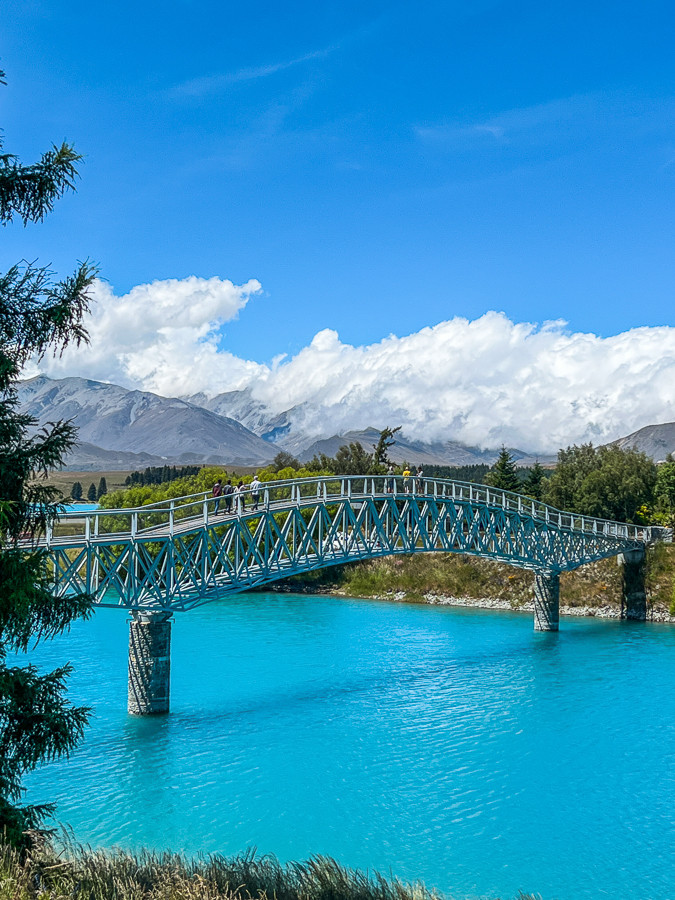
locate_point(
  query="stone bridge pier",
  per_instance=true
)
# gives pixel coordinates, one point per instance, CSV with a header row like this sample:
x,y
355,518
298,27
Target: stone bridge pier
x,y
633,594
546,600
149,663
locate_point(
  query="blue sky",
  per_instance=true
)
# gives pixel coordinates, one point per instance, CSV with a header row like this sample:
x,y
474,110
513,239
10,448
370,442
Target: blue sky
x,y
377,167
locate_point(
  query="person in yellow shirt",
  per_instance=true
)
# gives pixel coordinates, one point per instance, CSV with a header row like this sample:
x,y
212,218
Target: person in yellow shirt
x,y
406,480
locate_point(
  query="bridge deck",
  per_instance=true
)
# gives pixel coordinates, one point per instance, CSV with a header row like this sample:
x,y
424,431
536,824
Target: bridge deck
x,y
180,553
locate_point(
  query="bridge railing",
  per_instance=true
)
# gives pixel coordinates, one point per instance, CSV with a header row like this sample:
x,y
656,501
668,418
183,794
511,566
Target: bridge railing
x,y
165,516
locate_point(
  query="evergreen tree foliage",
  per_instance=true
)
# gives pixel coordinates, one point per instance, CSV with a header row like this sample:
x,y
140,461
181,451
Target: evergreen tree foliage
x,y
665,488
37,315
284,460
474,473
91,493
533,485
102,488
380,450
504,475
160,474
606,482
76,491
352,459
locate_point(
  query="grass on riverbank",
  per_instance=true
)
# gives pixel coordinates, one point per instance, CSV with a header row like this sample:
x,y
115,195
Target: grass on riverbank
x,y
457,575
82,874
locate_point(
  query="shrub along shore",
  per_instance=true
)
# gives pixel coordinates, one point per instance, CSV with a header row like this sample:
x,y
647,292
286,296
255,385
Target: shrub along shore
x,y
456,579
118,875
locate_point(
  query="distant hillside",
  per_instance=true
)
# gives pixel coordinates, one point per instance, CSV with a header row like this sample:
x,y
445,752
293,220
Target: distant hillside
x,y
441,453
113,418
87,457
284,431
656,441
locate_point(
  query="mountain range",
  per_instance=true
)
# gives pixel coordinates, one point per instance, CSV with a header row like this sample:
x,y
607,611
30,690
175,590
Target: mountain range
x,y
110,418
122,429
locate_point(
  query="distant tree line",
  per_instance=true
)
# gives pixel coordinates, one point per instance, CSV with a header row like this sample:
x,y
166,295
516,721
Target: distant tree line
x,y
93,493
160,475
350,459
475,473
606,482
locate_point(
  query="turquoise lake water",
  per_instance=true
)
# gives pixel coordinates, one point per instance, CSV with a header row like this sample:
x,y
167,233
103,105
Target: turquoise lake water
x,y
449,745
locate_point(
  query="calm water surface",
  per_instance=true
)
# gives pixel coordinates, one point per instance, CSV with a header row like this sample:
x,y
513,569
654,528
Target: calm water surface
x,y
455,746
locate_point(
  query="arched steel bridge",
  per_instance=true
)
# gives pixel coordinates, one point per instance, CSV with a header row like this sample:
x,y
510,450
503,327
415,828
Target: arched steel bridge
x,y
181,553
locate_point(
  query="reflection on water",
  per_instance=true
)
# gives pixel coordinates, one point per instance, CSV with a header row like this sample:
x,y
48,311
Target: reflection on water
x,y
451,745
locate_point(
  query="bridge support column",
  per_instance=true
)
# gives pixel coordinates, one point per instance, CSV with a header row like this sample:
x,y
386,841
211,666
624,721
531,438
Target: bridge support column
x,y
149,663
546,601
633,594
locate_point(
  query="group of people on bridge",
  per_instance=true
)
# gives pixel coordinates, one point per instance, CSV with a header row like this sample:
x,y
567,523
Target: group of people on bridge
x,y
411,480
229,492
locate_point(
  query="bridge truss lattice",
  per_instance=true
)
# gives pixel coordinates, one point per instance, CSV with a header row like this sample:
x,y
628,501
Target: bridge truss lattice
x,y
180,554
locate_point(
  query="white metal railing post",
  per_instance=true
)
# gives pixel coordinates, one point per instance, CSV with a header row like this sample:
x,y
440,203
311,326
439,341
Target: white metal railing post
x,y
266,501
172,506
134,524
206,511
96,518
49,534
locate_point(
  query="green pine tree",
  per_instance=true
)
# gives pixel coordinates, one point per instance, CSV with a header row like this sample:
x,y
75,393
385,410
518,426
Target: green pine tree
x,y
37,315
534,483
91,493
381,449
503,475
76,491
102,489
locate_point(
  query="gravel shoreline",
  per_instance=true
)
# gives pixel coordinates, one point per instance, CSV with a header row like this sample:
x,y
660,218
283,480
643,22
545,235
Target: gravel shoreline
x,y
600,612
608,611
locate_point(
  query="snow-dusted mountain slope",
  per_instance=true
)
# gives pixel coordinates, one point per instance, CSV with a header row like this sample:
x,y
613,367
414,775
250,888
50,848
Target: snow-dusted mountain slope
x,y
114,418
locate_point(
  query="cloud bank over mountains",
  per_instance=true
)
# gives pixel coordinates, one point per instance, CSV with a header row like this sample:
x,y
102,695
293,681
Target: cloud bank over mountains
x,y
483,382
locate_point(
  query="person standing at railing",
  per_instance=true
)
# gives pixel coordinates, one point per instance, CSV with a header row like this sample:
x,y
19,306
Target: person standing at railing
x,y
391,480
241,497
255,491
228,490
406,480
417,480
217,493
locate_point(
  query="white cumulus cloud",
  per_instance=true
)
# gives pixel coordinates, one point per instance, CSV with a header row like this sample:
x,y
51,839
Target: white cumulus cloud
x,y
485,382
161,336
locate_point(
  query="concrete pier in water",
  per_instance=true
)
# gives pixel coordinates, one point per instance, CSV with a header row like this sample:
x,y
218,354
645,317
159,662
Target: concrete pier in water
x,y
546,601
633,594
149,663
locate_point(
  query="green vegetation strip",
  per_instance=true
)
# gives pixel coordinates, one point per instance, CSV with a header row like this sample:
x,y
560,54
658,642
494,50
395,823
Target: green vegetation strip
x,y
102,875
